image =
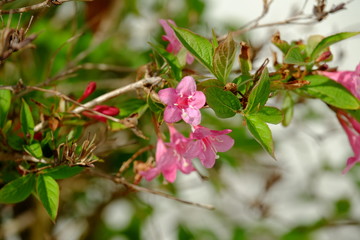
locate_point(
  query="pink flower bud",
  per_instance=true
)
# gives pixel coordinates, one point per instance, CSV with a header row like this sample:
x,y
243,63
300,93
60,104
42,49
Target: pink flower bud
x,y
104,109
89,90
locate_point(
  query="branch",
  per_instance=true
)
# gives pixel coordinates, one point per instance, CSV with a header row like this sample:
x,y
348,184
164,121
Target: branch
x,y
44,4
145,82
299,18
147,190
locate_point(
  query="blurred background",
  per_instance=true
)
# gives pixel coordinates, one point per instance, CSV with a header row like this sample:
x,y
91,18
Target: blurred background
x,y
302,195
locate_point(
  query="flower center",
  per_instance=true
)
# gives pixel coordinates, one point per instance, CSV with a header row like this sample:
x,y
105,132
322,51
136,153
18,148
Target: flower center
x,y
183,102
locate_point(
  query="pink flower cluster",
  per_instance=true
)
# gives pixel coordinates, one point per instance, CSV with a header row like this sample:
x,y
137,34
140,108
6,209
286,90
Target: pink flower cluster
x,y
350,80
185,102
179,152
174,45
104,109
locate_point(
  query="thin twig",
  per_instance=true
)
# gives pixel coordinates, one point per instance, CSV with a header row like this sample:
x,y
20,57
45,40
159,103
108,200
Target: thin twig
x,y
147,190
44,4
39,126
126,164
139,84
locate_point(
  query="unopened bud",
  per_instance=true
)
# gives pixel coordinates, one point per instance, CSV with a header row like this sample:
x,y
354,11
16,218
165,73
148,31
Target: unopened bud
x,y
323,56
89,90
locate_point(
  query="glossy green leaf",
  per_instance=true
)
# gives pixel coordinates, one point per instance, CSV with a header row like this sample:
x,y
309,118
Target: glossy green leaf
x,y
224,103
17,190
26,120
197,45
34,150
259,94
223,59
62,172
269,115
326,42
312,42
330,92
210,83
48,192
288,109
171,59
294,56
154,106
261,132
5,102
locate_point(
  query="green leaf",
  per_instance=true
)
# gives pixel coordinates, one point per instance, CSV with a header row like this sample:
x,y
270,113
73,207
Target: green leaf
x,y
171,59
294,56
210,83
48,192
223,59
131,106
288,109
26,120
330,92
281,44
261,132
224,103
34,150
312,42
259,94
62,172
17,190
154,106
5,102
326,42
269,115
197,45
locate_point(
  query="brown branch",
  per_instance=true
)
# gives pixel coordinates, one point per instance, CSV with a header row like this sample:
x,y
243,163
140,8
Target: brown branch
x,y
145,82
44,4
147,190
39,126
299,19
126,164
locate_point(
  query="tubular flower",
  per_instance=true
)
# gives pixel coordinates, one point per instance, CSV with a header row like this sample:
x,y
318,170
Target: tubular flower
x,y
104,109
183,102
170,158
349,79
352,129
174,45
89,90
207,143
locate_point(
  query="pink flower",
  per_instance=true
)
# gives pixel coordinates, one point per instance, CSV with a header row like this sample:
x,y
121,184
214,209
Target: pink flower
x,y
208,143
174,45
350,79
170,157
352,129
183,102
104,109
89,90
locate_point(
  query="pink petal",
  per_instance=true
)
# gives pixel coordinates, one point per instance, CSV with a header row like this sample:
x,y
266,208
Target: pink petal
x,y
168,96
193,149
170,173
191,116
150,174
198,100
222,143
208,155
350,163
172,114
160,149
185,165
174,44
186,87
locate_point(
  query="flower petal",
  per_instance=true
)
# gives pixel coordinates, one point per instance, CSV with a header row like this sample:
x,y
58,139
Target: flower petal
x,y
172,114
222,143
208,155
170,173
189,58
191,116
186,87
198,100
150,174
168,96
